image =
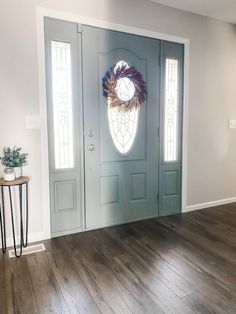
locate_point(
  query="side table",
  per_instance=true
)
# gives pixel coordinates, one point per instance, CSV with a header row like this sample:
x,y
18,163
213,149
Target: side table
x,y
20,183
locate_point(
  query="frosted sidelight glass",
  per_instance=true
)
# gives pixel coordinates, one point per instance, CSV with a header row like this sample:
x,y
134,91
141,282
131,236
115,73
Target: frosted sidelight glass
x,y
171,111
62,104
123,128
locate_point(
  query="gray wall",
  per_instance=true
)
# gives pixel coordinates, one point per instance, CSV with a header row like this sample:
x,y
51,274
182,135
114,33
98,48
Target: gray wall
x,y
211,145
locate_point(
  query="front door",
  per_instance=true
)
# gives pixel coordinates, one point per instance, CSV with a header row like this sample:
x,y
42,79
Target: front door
x,y
121,148
108,165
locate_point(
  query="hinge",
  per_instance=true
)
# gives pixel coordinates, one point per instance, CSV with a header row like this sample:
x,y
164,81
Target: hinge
x,y
79,28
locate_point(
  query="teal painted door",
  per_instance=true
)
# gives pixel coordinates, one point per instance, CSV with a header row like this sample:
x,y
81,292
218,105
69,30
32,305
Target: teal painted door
x,y
109,167
121,182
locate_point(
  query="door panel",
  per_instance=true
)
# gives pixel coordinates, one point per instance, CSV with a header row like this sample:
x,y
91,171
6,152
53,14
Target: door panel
x,y
171,128
119,187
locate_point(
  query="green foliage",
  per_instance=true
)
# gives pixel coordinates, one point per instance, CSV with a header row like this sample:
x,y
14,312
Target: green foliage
x,y
14,157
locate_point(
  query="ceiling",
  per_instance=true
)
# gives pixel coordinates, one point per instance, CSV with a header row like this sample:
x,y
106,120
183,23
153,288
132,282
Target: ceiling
x,y
220,9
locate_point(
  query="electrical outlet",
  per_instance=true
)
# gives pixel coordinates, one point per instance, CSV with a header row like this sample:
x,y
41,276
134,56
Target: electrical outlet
x,y
232,124
32,122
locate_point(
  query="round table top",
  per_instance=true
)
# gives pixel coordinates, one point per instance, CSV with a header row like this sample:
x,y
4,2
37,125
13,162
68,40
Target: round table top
x,y
18,181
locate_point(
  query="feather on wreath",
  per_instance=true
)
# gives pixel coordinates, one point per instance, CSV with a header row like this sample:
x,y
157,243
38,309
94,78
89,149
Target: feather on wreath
x,y
110,81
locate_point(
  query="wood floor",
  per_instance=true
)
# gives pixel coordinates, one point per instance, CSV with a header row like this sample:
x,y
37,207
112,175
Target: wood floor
x,y
179,264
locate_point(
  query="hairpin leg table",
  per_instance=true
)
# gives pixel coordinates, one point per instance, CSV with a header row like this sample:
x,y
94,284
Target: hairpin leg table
x,y
7,187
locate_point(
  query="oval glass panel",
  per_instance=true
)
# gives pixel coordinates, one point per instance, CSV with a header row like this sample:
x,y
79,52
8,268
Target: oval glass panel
x,y
123,125
125,89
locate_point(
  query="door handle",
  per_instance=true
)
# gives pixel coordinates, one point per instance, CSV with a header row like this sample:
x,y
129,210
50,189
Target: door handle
x,y
91,147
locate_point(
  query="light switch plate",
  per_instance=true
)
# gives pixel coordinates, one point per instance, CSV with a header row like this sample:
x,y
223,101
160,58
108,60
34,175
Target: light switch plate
x,y
32,122
232,124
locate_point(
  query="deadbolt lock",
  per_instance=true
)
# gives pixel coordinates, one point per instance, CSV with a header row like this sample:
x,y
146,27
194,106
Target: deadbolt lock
x,y
90,133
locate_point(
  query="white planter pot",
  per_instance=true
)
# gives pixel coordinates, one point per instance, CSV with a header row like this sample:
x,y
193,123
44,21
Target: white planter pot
x,y
9,174
18,172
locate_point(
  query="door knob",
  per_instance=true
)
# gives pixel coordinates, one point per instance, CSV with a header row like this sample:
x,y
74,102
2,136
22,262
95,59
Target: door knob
x,y
91,147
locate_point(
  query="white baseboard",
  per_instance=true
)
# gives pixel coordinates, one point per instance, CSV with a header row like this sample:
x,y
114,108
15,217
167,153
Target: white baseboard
x,y
209,204
63,233
33,237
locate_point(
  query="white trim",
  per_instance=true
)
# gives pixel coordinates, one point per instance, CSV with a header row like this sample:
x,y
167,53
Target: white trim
x,y
44,127
44,12
210,204
63,233
185,124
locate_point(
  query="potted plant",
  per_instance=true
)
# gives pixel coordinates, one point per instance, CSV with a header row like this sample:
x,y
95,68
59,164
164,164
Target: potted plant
x,y
14,158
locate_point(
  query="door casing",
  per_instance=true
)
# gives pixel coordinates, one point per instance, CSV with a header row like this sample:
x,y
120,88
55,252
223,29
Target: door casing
x,y
41,14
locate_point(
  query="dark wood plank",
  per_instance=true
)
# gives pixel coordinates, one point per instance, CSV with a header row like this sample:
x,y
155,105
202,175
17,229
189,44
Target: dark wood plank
x,y
200,304
152,286
118,296
3,301
157,267
179,264
202,239
222,215
20,296
132,278
48,296
73,289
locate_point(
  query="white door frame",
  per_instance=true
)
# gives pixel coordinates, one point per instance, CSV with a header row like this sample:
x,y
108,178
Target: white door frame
x,y
44,12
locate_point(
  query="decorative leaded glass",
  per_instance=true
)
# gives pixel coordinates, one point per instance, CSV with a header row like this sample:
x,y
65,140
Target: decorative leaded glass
x,y
125,89
62,104
123,124
171,111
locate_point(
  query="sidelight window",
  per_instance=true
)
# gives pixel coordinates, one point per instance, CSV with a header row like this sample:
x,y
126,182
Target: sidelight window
x,y
62,104
171,110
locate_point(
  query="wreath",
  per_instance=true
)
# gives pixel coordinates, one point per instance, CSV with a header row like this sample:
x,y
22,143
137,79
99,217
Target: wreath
x,y
110,81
